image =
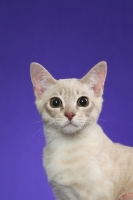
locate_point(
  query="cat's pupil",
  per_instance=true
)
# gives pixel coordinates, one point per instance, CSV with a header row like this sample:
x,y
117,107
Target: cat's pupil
x,y
55,102
83,102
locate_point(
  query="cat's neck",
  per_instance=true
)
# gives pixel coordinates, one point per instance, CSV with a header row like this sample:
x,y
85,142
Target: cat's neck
x,y
93,134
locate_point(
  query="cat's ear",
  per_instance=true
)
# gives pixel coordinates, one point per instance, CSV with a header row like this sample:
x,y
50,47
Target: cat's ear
x,y
41,79
95,78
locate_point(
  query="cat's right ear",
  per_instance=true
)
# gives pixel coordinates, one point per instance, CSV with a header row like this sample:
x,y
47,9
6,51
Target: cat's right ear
x,y
41,79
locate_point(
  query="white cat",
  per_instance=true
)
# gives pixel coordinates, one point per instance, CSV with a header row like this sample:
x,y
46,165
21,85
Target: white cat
x,y
81,162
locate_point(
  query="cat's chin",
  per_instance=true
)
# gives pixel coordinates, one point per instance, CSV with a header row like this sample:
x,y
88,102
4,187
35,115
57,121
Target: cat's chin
x,y
70,129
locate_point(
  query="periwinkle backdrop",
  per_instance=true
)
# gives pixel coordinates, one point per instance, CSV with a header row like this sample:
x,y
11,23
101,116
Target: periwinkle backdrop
x,y
67,37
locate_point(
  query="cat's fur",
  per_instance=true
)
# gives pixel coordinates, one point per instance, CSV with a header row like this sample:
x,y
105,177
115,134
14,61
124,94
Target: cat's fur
x,y
81,162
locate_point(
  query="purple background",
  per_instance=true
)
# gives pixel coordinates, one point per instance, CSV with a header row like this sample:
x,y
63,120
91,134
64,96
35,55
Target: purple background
x,y
67,37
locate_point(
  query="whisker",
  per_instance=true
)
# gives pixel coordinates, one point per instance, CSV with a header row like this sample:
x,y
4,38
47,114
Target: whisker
x,y
101,119
35,123
39,130
42,135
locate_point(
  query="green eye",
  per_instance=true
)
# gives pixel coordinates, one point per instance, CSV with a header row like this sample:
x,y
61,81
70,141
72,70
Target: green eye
x,y
55,102
83,102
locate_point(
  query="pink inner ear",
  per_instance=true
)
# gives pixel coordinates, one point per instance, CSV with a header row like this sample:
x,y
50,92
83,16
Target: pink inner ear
x,y
99,86
38,89
41,79
127,197
36,71
97,77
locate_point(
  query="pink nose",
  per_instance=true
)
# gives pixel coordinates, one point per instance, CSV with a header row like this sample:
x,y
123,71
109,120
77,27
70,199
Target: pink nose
x,y
69,115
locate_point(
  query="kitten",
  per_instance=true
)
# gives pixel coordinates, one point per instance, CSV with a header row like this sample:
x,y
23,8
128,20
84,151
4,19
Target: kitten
x,y
81,162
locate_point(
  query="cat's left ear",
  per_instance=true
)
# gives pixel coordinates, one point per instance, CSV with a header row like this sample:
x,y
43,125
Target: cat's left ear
x,y
95,78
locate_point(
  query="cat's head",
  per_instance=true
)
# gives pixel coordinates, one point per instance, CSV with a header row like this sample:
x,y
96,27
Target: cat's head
x,y
69,105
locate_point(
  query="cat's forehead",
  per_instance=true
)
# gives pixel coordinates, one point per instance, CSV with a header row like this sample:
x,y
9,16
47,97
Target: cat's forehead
x,y
71,87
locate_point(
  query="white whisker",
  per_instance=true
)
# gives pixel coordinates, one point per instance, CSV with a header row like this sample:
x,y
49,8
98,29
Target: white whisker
x,y
101,119
34,123
38,131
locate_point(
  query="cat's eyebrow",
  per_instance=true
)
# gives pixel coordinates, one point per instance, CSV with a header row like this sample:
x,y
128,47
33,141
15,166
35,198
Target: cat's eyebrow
x,y
55,94
82,93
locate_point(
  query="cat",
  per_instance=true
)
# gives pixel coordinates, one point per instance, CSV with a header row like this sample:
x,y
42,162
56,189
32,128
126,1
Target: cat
x,y
81,162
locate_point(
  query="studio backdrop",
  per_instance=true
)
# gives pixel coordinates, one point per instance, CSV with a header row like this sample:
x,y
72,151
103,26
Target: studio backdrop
x,y
68,38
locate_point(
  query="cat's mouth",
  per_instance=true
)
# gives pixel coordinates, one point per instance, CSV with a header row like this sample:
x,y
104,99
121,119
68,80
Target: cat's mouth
x,y
69,124
70,128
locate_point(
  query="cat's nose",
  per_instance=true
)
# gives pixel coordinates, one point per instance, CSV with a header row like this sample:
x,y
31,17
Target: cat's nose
x,y
69,115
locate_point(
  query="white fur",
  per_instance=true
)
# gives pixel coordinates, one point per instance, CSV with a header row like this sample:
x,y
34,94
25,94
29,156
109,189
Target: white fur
x,y
81,162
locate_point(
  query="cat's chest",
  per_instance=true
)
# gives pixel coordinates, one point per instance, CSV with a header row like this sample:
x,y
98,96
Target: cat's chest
x,y
66,163
78,172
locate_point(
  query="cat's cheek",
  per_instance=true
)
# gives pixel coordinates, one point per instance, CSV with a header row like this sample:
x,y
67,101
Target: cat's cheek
x,y
46,118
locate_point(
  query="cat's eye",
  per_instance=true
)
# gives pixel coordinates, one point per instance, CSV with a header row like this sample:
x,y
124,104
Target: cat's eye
x,y
83,101
55,102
